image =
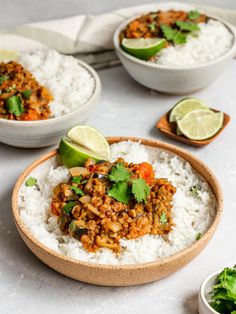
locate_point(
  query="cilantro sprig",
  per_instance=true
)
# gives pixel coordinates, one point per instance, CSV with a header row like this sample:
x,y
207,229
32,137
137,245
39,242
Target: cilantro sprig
x,y
178,34
193,15
121,192
124,188
119,173
140,189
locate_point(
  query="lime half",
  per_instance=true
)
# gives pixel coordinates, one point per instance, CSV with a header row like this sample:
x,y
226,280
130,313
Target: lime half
x,y
9,55
201,124
184,106
83,142
143,48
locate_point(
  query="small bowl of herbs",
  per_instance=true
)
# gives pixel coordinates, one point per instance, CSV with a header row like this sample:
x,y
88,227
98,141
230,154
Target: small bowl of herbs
x,y
218,293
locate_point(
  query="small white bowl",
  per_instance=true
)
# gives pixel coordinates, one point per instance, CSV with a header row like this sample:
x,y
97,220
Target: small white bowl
x,y
173,80
42,133
204,294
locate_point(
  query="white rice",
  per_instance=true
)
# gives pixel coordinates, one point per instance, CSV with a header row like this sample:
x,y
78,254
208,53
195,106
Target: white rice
x,y
70,84
191,214
212,41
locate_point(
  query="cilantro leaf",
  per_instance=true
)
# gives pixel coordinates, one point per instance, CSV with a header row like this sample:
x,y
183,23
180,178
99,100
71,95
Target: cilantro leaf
x,y
68,207
14,105
198,236
140,189
26,94
163,218
76,179
180,38
4,78
195,190
152,26
187,26
31,181
168,32
119,173
193,15
120,192
77,190
223,296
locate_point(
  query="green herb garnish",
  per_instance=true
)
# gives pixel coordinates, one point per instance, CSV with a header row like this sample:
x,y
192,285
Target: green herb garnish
x,y
31,181
174,35
119,173
195,190
163,218
140,189
77,190
152,26
68,207
198,236
168,32
193,15
4,78
26,94
180,38
14,105
121,192
76,179
223,296
187,26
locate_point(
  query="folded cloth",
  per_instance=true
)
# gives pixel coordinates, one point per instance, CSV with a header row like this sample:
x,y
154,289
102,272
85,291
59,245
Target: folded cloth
x,y
89,37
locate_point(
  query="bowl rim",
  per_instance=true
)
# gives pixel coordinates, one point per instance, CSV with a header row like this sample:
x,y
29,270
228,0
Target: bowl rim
x,y
95,93
169,68
159,262
202,290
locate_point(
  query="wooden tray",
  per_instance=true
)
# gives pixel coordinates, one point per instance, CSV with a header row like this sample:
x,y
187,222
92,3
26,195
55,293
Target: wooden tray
x,y
169,129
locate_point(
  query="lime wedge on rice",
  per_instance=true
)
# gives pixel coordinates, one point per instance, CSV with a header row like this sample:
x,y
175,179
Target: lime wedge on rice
x,y
201,124
143,48
184,106
9,55
83,142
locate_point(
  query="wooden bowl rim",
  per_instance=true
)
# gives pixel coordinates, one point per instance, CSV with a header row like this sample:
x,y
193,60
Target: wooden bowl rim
x,y
159,262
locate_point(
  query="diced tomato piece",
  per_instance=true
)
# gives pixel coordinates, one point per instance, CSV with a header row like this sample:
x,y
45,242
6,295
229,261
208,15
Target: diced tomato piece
x,y
146,172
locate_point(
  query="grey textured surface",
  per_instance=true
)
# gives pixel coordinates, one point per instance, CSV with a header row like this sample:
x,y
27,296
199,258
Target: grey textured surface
x,y
16,12
27,286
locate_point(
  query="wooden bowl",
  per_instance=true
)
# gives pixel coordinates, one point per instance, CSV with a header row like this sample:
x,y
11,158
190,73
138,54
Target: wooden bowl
x,y
121,275
169,129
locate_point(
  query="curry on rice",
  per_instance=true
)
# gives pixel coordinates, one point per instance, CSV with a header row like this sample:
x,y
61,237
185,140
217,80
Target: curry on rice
x,y
104,202
22,97
151,24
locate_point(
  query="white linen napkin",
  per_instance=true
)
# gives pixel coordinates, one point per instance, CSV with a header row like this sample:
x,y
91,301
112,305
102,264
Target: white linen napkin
x,y
89,37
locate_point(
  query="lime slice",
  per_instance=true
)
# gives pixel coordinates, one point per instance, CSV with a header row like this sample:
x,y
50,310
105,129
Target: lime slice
x,y
184,106
201,124
73,155
83,142
91,139
143,48
9,55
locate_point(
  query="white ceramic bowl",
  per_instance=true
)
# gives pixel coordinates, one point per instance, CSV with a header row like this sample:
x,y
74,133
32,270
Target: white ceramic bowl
x,y
203,297
41,133
169,79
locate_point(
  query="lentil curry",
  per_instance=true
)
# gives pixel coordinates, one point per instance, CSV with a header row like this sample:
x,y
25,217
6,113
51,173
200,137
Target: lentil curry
x,y
21,95
104,202
151,24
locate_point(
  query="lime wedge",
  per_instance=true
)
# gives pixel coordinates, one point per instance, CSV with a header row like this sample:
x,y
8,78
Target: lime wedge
x,y
9,55
143,48
201,124
184,106
91,139
83,142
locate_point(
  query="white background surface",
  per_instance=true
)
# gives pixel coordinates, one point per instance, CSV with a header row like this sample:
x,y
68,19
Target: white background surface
x,y
125,108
